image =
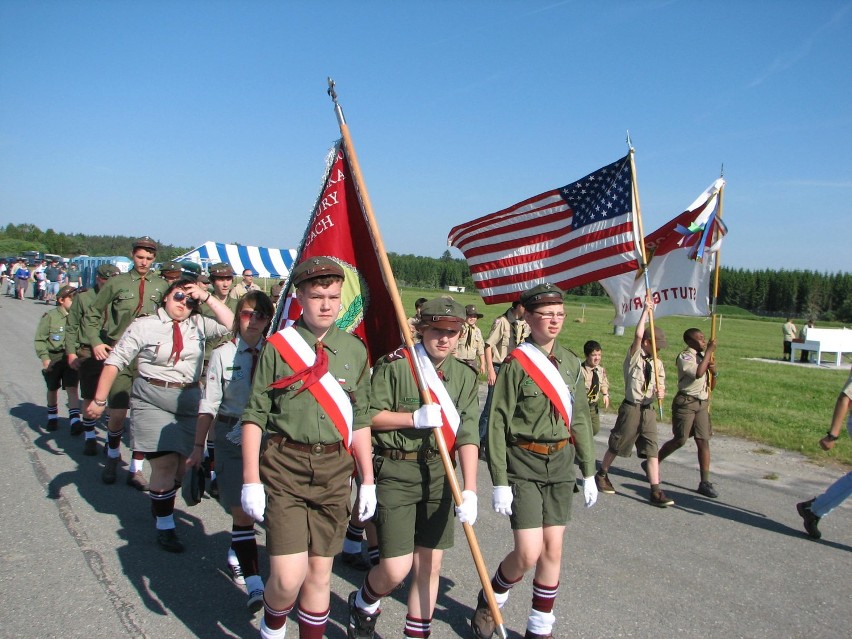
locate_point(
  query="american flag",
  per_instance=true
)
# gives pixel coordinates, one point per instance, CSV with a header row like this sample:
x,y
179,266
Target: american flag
x,y
570,236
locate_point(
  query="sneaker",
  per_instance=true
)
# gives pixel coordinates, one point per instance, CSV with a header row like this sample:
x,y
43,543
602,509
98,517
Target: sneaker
x,y
90,447
356,560
603,483
255,601
110,469
237,575
52,425
660,500
362,625
77,428
168,540
482,623
137,480
706,488
811,521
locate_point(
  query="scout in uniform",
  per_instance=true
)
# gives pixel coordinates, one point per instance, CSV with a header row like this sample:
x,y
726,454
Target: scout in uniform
x,y
311,395
415,504
413,320
122,299
597,383
80,353
696,376
170,271
50,347
539,421
471,346
636,423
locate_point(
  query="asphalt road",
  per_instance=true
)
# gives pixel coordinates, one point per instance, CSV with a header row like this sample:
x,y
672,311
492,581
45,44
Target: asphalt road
x,y
79,558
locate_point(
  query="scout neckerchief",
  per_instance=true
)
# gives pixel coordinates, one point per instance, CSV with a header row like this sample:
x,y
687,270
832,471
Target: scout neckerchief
x,y
449,415
312,368
546,376
595,386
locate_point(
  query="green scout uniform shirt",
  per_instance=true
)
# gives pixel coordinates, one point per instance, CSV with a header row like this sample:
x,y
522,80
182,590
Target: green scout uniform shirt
x,y
395,389
687,382
113,308
206,311
74,336
300,418
50,335
520,409
477,344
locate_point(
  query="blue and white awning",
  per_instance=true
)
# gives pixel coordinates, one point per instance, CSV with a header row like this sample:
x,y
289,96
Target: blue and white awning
x,y
265,262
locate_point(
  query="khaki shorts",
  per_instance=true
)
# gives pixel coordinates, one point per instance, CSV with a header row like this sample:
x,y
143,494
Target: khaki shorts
x,y
119,392
542,487
634,425
415,506
307,500
595,413
690,417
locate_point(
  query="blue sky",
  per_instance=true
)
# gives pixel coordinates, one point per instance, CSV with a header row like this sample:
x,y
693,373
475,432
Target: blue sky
x,y
194,121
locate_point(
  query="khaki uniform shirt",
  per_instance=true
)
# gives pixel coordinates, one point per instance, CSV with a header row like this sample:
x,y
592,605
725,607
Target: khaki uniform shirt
x,y
300,417
789,331
228,382
687,383
50,335
635,390
240,289
520,409
113,309
394,389
471,344
603,382
506,333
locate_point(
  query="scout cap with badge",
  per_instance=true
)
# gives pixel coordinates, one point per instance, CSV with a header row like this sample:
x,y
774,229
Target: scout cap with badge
x,y
541,294
470,311
145,243
189,271
66,291
221,269
316,267
170,269
106,271
442,312
659,338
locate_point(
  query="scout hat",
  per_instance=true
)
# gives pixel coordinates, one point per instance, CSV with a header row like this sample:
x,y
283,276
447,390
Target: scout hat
x,y
315,267
189,271
442,312
221,269
106,271
203,279
659,338
541,294
172,268
66,291
470,311
145,243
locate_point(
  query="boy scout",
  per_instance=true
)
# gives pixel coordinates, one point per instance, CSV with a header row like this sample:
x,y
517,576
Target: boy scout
x,y
80,353
536,426
597,383
696,375
306,465
415,504
50,347
122,299
471,345
637,419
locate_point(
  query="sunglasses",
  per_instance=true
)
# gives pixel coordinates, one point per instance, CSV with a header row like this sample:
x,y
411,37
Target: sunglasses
x,y
180,296
250,315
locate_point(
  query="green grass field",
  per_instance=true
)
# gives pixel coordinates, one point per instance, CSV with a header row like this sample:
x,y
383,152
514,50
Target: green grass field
x,y
782,405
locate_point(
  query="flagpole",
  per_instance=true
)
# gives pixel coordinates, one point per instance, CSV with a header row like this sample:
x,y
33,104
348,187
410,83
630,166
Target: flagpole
x,y
401,318
714,316
637,208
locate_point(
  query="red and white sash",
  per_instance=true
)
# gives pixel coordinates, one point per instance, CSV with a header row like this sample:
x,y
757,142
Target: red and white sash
x,y
547,377
438,392
298,355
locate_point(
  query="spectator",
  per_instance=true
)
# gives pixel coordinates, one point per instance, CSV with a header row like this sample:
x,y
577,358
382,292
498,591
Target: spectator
x,y
804,356
788,330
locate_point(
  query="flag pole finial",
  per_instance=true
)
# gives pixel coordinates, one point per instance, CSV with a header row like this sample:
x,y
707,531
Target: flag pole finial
x,y
722,171
333,95
629,141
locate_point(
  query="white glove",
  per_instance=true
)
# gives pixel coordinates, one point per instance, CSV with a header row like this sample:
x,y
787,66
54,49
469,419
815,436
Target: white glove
x,y
253,500
428,416
590,491
468,509
501,500
366,501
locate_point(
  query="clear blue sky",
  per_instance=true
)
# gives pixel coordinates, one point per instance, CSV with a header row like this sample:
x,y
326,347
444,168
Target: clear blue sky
x,y
194,121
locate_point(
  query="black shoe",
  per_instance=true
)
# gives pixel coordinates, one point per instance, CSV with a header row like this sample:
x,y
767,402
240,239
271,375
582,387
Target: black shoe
x,y
706,488
811,521
482,623
110,470
52,425
531,635
356,560
168,540
482,453
362,625
90,447
77,428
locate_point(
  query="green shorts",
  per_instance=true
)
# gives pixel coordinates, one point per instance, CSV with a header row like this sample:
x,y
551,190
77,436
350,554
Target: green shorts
x,y
634,425
415,506
59,375
119,392
89,372
542,487
691,417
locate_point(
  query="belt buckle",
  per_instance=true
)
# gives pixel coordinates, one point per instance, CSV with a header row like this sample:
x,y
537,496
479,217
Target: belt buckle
x,y
429,454
551,448
396,454
317,449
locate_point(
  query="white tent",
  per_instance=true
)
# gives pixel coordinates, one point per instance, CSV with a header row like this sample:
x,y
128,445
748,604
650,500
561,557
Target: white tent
x,y
265,262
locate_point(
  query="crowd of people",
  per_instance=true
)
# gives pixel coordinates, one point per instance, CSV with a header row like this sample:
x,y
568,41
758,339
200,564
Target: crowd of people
x,y
40,281
276,427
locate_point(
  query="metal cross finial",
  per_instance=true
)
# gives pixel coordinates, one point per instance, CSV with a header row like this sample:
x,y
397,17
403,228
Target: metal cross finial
x,y
331,91
629,141
337,110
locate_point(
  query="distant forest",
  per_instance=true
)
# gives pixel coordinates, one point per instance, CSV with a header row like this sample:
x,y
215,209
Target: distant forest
x,y
801,294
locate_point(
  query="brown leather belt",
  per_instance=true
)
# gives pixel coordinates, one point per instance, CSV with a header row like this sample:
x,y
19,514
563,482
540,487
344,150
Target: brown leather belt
x,y
313,449
541,449
229,420
158,382
639,404
427,454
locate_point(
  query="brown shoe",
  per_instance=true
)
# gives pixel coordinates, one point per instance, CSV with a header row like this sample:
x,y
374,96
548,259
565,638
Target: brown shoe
x,y
482,623
660,500
137,480
604,484
531,635
110,468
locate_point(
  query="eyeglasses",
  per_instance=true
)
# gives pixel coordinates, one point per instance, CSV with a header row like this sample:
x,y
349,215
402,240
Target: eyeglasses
x,y
550,316
257,315
180,296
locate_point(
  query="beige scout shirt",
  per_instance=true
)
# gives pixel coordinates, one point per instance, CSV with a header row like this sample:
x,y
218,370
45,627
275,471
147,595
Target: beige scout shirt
x,y
687,383
506,333
603,382
789,331
635,390
471,344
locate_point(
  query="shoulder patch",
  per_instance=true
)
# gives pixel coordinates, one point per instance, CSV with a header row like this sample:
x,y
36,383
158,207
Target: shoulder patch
x,y
395,355
686,356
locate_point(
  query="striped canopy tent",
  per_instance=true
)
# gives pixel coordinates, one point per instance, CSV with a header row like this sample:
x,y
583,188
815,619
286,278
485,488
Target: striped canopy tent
x,y
265,262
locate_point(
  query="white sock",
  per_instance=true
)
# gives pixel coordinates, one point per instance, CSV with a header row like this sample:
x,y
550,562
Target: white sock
x,y
164,523
232,558
351,546
501,598
90,434
370,609
113,453
136,465
540,623
266,633
254,583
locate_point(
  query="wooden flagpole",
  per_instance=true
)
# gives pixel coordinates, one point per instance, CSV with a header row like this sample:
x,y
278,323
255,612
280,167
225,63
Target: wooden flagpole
x,y
713,315
637,208
425,397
